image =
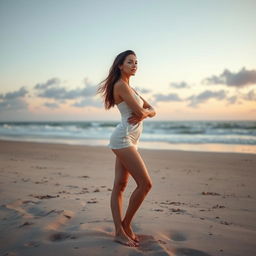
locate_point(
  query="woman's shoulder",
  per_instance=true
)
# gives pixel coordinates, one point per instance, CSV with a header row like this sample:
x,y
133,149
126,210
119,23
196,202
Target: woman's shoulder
x,y
120,85
120,82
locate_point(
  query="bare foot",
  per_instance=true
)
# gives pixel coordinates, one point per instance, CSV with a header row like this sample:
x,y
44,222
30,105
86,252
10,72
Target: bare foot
x,y
129,232
122,238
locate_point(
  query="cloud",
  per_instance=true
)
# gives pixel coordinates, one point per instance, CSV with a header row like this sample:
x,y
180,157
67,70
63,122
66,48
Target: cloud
x,y
13,104
50,82
179,85
12,95
240,79
167,97
88,102
59,93
251,96
52,90
142,90
232,99
13,100
205,96
51,105
89,89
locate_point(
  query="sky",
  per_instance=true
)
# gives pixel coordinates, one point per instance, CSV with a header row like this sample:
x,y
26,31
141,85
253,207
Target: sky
x,y
196,59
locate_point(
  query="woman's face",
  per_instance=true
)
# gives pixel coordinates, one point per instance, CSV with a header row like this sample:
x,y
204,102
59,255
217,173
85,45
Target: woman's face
x,y
130,65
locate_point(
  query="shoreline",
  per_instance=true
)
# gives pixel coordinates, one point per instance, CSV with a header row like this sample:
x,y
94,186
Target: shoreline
x,y
211,148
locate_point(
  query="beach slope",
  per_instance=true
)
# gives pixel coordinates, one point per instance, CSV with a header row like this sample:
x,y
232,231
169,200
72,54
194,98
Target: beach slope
x,y
55,200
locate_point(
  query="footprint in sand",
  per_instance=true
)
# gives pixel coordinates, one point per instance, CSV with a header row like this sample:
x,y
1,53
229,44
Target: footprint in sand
x,y
210,193
38,212
42,181
64,217
60,236
178,236
183,251
84,176
71,186
39,167
148,244
26,223
157,210
218,206
92,201
32,244
173,236
30,210
102,231
25,179
16,206
168,202
43,196
177,210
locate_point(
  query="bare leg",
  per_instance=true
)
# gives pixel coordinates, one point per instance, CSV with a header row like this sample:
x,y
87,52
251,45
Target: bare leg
x,y
121,179
133,163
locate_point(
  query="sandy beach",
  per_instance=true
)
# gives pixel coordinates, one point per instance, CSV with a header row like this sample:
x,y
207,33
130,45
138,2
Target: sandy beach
x,y
55,200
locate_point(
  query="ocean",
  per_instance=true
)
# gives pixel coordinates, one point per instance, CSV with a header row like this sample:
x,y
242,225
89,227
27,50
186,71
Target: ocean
x,y
218,136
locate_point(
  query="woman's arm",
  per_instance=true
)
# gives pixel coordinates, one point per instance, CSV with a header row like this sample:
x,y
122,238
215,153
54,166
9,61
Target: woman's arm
x,y
146,105
134,119
126,94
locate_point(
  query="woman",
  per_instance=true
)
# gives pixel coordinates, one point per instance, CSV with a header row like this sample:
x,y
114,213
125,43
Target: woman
x,y
116,90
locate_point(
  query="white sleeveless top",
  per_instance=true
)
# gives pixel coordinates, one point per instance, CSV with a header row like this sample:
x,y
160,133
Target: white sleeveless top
x,y
126,134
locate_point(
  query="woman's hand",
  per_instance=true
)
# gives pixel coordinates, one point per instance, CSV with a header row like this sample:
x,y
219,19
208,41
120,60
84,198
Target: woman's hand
x,y
152,112
133,119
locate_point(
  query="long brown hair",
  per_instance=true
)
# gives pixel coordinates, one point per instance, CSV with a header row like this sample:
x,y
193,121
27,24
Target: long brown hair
x,y
106,87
